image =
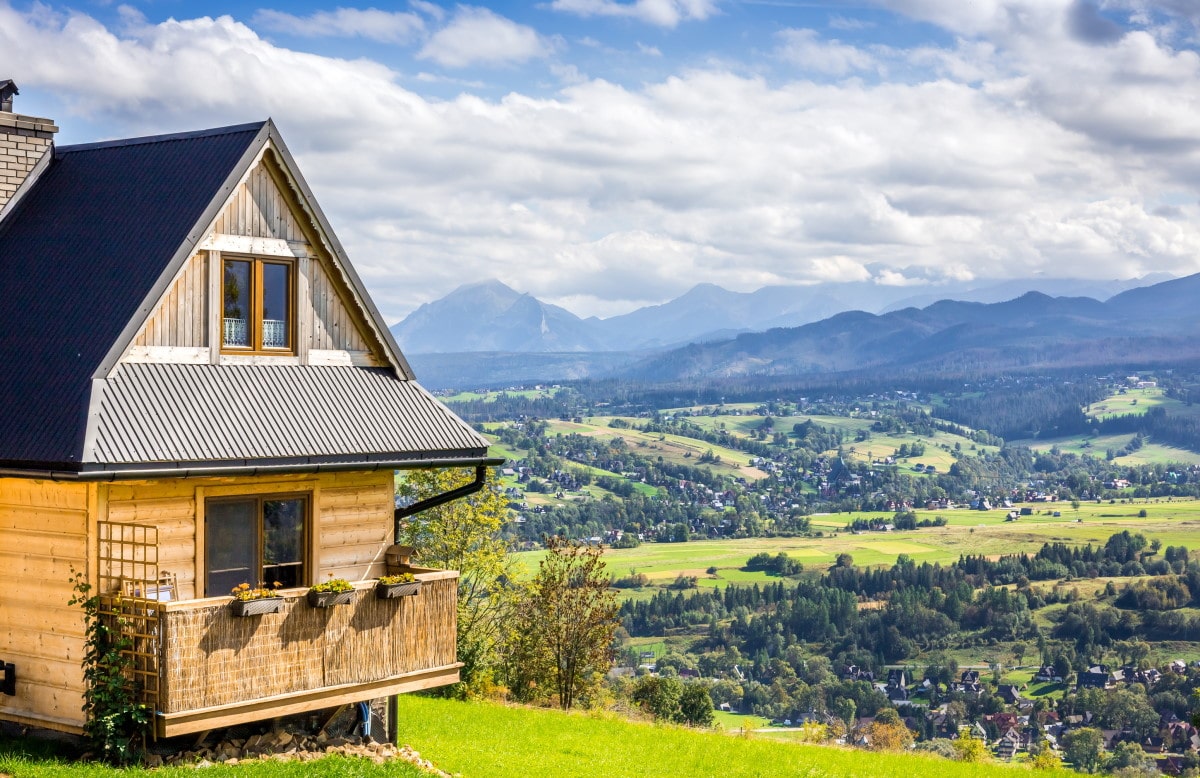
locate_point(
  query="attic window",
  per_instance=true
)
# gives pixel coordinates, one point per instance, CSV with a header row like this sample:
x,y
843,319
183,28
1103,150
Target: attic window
x,y
258,314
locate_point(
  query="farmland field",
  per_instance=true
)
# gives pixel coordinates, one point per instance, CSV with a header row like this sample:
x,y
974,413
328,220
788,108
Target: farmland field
x,y
672,448
1087,445
1175,522
1138,401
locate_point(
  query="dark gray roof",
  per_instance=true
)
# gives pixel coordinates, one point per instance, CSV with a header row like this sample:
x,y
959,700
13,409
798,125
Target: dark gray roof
x,y
270,415
77,257
83,257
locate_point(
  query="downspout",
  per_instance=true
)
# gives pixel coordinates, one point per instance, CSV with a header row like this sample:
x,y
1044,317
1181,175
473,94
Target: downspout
x,y
441,499
400,515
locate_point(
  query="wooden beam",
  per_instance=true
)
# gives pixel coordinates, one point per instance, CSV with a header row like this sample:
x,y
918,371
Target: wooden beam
x,y
43,722
258,247
172,724
216,306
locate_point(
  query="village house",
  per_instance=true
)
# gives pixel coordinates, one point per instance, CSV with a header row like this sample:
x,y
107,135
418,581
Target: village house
x,y
198,393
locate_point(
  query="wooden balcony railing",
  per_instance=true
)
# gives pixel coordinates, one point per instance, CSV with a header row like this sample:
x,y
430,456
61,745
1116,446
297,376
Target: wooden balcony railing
x,y
217,669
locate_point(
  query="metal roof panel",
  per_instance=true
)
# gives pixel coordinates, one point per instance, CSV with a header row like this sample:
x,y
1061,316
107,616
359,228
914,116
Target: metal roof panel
x,y
172,413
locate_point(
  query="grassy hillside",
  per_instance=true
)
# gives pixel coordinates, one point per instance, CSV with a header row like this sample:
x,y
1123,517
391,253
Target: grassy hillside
x,y
493,741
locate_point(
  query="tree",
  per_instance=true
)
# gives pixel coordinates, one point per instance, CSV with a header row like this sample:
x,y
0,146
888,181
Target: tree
x,y
695,706
1127,755
1083,748
659,696
1046,759
882,736
968,749
464,535
565,621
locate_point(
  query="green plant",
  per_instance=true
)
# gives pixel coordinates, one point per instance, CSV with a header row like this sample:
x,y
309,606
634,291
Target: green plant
x,y
116,717
333,585
399,578
243,591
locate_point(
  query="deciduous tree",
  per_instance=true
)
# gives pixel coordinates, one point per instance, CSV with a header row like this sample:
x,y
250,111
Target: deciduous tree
x,y
969,749
1083,748
565,621
464,535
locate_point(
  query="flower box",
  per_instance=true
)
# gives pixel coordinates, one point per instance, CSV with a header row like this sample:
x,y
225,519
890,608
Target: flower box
x,y
256,607
328,599
389,591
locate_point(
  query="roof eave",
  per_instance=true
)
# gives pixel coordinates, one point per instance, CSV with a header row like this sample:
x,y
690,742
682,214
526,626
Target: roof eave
x,y
156,470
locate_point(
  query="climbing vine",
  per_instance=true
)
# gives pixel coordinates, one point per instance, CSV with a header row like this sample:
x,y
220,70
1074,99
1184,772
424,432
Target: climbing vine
x,y
116,718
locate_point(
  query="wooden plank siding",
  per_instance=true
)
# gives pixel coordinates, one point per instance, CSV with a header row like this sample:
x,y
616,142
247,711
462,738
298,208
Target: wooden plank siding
x,y
333,327
262,207
46,528
43,535
258,209
352,519
179,320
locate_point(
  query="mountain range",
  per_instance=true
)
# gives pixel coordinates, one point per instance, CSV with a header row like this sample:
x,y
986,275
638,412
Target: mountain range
x,y
491,317
1034,329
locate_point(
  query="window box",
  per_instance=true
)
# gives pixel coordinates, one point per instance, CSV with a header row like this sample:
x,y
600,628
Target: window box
x,y
256,607
328,599
390,591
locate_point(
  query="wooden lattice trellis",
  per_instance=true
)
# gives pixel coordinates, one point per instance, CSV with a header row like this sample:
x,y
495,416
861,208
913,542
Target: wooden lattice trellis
x,y
131,587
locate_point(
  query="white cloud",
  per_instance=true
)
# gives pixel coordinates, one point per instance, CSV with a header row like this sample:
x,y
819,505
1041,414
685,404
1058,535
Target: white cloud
x,y
661,13
432,10
998,156
806,49
479,36
370,23
846,23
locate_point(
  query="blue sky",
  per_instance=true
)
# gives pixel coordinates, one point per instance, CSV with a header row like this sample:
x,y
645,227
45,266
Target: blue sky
x,y
607,154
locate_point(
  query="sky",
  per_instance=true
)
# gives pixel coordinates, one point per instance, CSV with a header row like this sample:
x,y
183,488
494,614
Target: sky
x,y
603,155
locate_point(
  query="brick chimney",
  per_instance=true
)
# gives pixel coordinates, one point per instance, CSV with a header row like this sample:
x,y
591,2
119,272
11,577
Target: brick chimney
x,y
24,142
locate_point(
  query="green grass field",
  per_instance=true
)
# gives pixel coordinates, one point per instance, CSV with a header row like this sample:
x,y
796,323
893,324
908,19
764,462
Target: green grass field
x,y
1085,445
1138,401
32,758
1174,522
479,740
529,394
1132,402
672,448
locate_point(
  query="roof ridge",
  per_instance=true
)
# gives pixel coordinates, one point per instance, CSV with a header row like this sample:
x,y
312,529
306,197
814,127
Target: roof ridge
x,y
147,139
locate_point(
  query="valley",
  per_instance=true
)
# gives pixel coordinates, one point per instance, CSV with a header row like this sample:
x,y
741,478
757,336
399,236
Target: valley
x,y
825,555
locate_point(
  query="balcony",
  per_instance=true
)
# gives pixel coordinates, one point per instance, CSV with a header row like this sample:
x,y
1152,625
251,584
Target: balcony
x,y
215,669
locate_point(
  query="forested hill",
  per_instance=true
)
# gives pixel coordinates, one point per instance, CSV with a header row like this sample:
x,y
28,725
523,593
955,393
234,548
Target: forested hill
x,y
1154,323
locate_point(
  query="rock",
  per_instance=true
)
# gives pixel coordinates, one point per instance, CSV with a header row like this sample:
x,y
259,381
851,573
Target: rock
x,y
283,746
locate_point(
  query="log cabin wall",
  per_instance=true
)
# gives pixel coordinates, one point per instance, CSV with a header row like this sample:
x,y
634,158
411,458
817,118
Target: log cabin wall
x,y
47,528
351,521
43,535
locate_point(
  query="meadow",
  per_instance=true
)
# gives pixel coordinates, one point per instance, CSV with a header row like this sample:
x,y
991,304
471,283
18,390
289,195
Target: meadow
x,y
1130,402
876,446
1173,522
490,740
677,449
487,740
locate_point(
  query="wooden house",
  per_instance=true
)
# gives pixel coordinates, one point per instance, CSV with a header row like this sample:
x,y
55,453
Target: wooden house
x,y
197,392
